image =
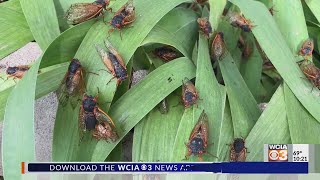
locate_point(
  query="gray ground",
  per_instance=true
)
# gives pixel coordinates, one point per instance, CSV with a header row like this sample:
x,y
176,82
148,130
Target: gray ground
x,y
46,106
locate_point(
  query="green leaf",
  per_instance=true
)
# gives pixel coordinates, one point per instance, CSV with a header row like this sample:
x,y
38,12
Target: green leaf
x,y
145,99
14,28
148,13
275,118
314,7
274,45
180,24
41,17
160,130
186,125
244,108
226,134
251,69
294,33
18,132
212,95
216,10
66,45
172,30
298,117
48,80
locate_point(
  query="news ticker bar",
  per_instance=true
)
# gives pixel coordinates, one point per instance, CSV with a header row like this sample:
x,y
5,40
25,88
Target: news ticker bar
x,y
223,167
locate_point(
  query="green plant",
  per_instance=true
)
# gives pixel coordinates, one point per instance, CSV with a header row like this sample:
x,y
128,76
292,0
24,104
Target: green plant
x,y
232,106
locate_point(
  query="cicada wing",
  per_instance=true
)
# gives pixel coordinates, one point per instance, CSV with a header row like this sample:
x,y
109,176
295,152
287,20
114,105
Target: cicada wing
x,y
233,155
24,67
309,69
77,87
241,157
189,85
62,92
204,126
105,59
81,120
114,52
81,12
104,117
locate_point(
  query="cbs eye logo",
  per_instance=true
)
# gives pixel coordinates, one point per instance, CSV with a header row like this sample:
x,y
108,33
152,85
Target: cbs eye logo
x,y
277,153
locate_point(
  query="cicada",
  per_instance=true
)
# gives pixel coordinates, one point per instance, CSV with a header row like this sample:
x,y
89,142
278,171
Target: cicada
x,y
72,83
237,20
166,53
123,17
80,12
246,47
151,177
114,62
17,72
205,26
238,151
312,72
307,48
163,106
104,130
189,93
198,140
218,48
91,114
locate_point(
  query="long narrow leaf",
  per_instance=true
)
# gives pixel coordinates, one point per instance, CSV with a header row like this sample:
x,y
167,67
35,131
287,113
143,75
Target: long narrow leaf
x,y
18,132
42,20
144,98
14,28
275,118
274,45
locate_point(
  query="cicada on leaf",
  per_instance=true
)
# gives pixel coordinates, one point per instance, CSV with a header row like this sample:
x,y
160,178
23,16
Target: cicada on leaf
x,y
166,53
163,106
205,26
218,48
72,83
311,72
307,48
189,93
91,115
104,130
237,20
123,17
114,62
238,150
246,47
80,12
198,140
17,72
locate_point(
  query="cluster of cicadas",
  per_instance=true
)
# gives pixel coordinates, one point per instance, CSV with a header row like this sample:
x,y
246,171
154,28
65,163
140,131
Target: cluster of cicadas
x,y
91,116
308,68
198,142
81,12
218,49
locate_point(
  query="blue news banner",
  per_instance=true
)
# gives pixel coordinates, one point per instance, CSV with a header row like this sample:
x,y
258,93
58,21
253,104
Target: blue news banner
x,y
224,167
